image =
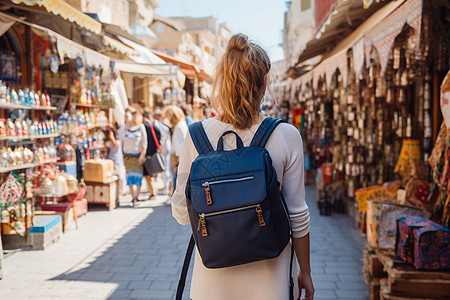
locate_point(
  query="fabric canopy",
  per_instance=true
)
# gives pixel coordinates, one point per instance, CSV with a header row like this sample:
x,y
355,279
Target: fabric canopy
x,y
5,23
67,48
143,69
66,11
118,46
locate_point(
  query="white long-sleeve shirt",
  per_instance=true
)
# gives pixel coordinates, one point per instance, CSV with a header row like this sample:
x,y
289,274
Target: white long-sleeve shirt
x,y
267,279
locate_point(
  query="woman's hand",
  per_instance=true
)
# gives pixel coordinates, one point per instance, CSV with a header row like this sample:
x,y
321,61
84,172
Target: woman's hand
x,y
141,159
305,282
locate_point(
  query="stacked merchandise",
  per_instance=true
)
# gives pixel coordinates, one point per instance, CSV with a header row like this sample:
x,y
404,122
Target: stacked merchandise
x,y
407,231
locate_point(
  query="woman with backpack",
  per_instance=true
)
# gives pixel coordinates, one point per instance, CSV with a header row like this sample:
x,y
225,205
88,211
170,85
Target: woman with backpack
x,y
239,86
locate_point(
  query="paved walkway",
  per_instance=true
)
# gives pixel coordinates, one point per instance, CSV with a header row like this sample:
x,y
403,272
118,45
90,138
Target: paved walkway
x,y
136,253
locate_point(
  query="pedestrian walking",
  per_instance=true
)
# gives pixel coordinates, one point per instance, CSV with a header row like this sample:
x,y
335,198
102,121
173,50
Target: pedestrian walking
x,y
152,132
115,154
177,120
166,145
134,146
238,89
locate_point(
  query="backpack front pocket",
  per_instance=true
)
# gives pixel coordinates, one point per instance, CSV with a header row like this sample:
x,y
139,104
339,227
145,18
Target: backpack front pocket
x,y
242,233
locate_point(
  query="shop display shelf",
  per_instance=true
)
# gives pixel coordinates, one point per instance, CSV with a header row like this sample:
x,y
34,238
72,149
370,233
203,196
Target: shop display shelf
x,y
30,107
25,138
26,166
86,105
98,126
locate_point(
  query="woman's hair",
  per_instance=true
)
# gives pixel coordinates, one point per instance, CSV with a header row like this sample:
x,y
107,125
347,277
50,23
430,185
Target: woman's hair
x,y
240,82
174,114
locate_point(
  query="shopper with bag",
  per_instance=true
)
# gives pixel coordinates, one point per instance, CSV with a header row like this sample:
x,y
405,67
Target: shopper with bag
x,y
215,179
153,160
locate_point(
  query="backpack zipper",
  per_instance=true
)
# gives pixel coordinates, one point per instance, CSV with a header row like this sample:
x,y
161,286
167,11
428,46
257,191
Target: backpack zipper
x,y
202,217
208,183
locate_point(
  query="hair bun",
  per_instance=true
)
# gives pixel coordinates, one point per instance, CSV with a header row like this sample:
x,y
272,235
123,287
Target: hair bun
x,y
238,42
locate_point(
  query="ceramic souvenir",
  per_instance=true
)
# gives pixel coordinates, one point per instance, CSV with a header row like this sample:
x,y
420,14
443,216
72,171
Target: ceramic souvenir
x,y
10,129
18,126
2,128
21,96
14,97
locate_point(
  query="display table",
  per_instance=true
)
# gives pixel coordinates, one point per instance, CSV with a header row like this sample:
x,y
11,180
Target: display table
x,y
391,278
104,193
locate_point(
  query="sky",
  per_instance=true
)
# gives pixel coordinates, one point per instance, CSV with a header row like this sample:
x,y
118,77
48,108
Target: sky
x,y
261,20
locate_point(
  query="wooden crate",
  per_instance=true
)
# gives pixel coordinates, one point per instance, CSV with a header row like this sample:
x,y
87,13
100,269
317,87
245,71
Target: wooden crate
x,y
106,193
405,282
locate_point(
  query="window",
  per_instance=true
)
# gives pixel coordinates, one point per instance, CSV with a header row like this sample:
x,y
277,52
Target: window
x,y
306,4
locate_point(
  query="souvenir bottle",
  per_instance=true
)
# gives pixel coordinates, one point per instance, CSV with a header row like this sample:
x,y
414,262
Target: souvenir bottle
x,y
10,129
47,100
8,97
43,100
18,126
31,98
45,151
2,92
25,131
40,129
14,97
83,97
37,101
21,97
2,129
89,97
26,97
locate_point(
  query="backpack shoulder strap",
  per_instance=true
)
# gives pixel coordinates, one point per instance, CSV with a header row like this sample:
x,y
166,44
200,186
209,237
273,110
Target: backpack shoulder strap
x,y
199,138
264,131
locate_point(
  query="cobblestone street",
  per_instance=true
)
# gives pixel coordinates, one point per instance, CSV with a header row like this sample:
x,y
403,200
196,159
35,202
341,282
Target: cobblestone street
x,y
136,253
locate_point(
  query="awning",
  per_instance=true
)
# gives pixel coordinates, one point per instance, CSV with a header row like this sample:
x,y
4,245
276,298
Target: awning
x,y
378,31
5,23
143,69
146,58
66,11
119,46
145,55
67,48
189,69
344,19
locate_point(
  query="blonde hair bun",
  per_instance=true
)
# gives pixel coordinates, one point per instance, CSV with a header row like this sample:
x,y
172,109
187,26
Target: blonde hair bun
x,y
238,42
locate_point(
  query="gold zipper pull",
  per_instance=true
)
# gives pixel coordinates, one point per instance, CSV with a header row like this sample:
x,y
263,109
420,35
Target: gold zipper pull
x,y
203,225
260,216
208,194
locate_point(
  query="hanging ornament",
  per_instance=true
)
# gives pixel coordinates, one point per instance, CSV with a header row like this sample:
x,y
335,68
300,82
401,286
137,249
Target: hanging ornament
x,y
53,63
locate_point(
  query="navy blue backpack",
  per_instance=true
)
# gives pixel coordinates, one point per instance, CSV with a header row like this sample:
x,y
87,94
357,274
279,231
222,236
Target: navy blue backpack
x,y
236,209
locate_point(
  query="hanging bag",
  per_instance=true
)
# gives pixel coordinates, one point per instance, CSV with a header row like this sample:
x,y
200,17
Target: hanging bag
x,y
154,164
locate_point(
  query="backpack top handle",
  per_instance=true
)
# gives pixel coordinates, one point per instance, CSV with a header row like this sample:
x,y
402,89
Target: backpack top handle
x,y
239,143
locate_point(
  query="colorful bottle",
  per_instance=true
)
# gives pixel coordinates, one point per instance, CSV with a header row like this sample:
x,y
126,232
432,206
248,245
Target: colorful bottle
x,y
10,129
21,96
47,100
2,129
43,100
18,126
14,97
25,131
37,101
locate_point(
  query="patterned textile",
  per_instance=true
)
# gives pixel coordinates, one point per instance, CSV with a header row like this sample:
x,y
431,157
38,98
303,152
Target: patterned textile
x,y
439,162
417,194
409,160
135,171
423,243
